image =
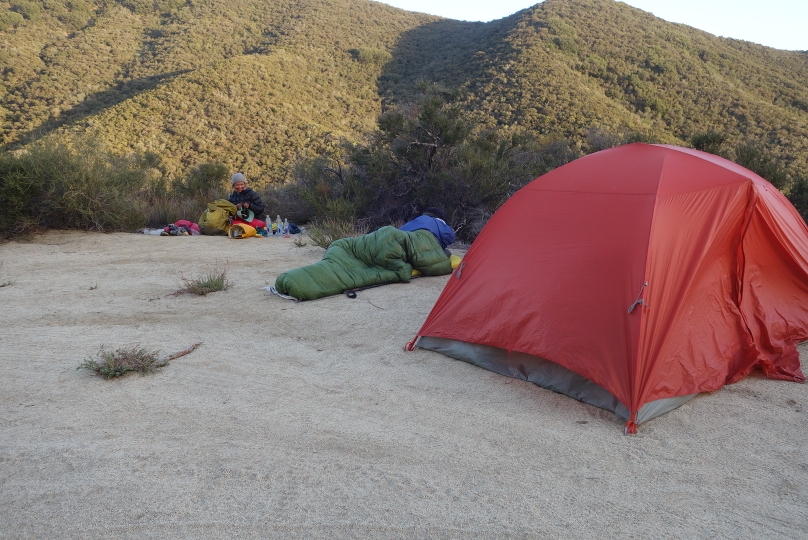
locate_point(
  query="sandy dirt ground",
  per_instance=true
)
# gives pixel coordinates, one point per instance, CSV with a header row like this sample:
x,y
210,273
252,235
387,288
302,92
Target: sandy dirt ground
x,y
309,420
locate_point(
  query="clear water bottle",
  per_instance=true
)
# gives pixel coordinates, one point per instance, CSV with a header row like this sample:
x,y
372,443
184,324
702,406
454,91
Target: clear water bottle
x,y
286,228
278,225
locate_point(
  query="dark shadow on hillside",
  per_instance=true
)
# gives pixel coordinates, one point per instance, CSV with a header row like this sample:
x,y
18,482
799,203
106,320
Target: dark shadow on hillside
x,y
95,103
447,52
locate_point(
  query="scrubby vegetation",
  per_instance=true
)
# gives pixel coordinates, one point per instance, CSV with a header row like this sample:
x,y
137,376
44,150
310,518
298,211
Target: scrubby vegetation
x,y
82,186
213,281
426,153
55,186
109,364
255,85
120,114
432,153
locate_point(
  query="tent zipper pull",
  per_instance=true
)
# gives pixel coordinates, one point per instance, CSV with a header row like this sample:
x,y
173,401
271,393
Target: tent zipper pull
x,y
639,300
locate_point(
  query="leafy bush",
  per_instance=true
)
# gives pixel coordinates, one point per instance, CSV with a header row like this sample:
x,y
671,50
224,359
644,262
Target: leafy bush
x,y
207,180
427,153
709,141
10,19
323,188
186,198
82,187
798,195
28,10
17,193
754,158
162,205
369,55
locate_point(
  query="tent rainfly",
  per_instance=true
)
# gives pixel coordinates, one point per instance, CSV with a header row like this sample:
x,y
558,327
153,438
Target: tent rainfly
x,y
632,279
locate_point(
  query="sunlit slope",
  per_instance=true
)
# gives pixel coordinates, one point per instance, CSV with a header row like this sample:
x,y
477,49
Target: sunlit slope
x,y
256,84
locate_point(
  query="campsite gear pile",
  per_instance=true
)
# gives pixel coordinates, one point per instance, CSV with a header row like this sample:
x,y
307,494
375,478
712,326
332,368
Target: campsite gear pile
x,y
387,255
632,279
181,227
216,218
221,217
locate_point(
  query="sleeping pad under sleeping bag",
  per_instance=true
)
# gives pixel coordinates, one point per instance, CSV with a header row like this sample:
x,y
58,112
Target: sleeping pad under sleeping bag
x,y
384,256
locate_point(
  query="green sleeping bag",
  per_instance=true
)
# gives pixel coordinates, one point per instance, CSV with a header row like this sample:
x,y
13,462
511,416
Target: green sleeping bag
x,y
384,256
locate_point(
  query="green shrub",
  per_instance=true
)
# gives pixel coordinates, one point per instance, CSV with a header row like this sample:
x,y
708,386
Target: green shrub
x,y
754,158
164,201
423,154
52,185
598,139
17,193
75,20
798,195
323,188
141,7
369,55
10,19
208,181
162,207
186,198
29,10
709,141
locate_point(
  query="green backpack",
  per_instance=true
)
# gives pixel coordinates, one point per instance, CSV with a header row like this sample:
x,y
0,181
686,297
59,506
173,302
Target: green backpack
x,y
216,219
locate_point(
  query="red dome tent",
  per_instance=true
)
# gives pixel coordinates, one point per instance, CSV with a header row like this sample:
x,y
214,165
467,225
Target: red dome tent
x,y
632,279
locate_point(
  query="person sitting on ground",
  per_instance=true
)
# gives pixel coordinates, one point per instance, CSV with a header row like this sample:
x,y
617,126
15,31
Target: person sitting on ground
x,y
247,201
432,221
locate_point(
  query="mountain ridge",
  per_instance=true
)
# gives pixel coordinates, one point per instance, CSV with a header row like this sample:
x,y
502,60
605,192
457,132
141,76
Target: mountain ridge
x,y
256,85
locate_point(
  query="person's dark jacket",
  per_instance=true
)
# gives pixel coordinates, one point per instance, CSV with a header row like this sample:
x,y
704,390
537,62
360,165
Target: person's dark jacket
x,y
251,196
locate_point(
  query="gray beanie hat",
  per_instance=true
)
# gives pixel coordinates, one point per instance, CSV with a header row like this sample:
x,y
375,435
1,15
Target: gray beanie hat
x,y
238,177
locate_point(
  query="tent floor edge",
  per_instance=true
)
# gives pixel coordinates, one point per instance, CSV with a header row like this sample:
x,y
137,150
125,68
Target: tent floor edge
x,y
549,375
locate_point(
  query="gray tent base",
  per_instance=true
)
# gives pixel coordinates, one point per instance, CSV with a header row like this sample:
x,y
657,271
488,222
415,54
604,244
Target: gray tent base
x,y
546,374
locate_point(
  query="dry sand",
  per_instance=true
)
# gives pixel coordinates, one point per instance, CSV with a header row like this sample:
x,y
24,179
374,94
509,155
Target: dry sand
x,y
309,420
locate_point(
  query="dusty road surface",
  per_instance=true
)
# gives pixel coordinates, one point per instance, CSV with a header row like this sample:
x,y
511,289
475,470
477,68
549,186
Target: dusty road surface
x,y
309,420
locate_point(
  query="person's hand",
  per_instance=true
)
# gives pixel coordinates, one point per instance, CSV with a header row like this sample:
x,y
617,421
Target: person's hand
x,y
238,205
245,205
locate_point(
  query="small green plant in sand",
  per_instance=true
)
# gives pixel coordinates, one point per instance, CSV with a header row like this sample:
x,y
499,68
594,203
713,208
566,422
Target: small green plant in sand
x,y
109,364
214,280
121,361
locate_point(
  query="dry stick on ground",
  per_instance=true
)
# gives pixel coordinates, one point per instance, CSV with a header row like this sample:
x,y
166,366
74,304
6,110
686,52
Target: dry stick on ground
x,y
184,351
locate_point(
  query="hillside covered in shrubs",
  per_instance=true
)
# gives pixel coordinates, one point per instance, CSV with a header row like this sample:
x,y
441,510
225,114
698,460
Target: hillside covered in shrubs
x,y
319,102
